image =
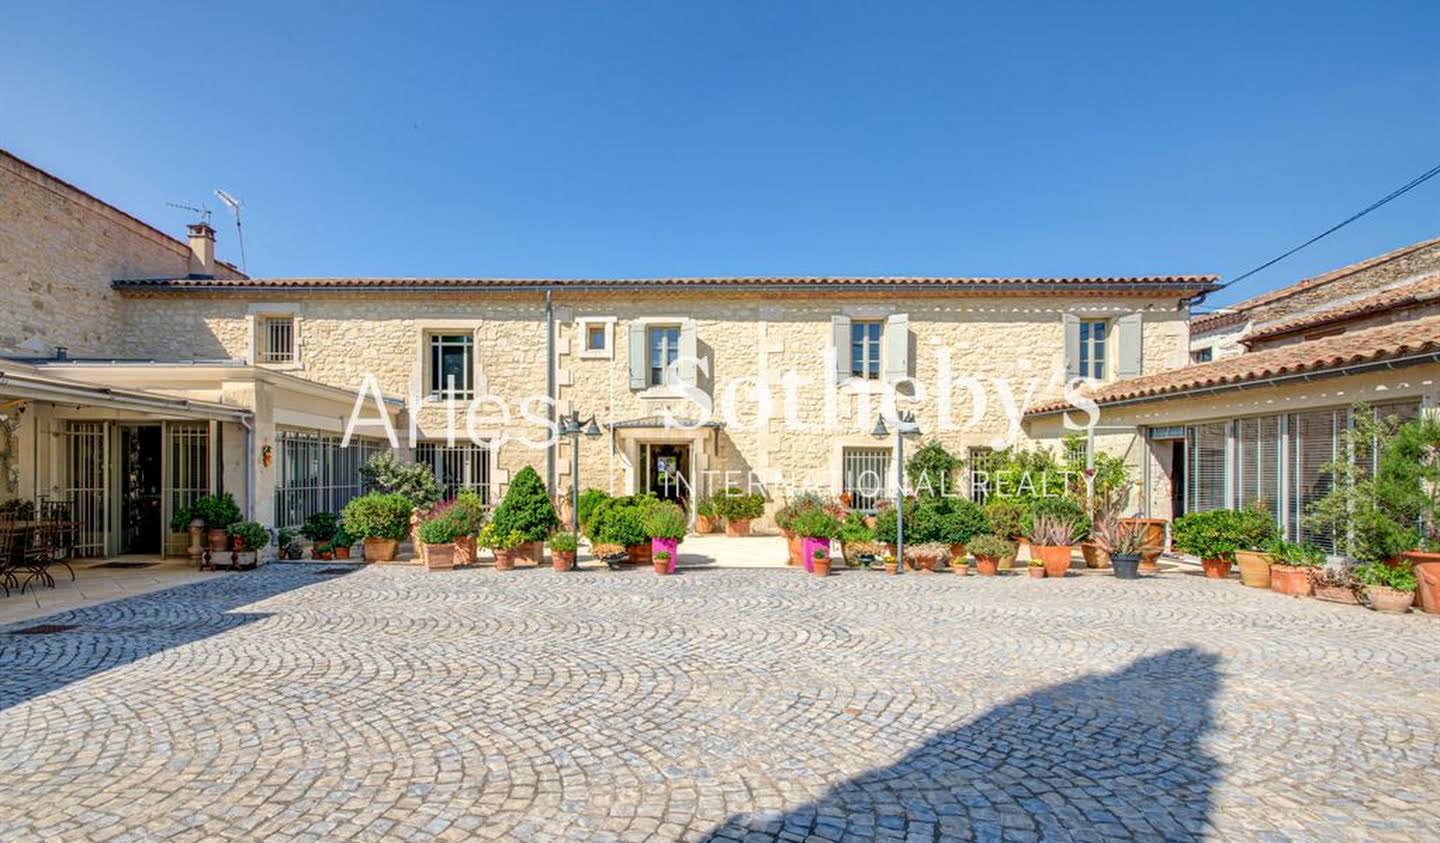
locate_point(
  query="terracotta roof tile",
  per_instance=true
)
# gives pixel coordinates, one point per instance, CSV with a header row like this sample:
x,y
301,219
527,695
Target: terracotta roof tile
x,y
1189,284
1319,356
1412,293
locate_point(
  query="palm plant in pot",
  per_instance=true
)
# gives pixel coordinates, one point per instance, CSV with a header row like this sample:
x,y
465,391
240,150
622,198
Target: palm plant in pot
x,y
381,520
1292,565
438,533
563,545
815,527
1051,538
665,525
989,549
1388,588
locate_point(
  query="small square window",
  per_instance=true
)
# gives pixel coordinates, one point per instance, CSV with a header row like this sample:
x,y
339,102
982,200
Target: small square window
x,y
595,337
1202,355
277,339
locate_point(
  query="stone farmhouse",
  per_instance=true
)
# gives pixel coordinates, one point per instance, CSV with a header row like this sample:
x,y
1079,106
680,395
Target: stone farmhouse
x,y
137,371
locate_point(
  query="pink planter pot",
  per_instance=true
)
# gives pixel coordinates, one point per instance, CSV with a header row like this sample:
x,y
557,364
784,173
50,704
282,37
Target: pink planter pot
x,y
808,547
670,546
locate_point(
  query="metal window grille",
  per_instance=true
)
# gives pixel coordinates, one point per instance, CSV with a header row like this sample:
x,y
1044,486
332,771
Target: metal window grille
x,y
189,463
865,349
664,345
315,474
866,476
279,340
982,470
457,467
1092,348
85,487
452,368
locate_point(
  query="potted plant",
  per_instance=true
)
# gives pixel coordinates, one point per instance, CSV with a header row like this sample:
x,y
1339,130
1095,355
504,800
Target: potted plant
x,y
1388,588
1006,517
341,543
705,516
739,508
438,533
320,530
853,533
1254,565
288,545
563,545
891,566
468,508
1051,537
218,512
663,562
613,555
509,547
1215,535
1036,568
785,518
665,525
589,500
527,510
381,520
963,521
862,554
1124,544
988,550
927,556
1290,570
820,562
887,528
249,537
622,521
1335,582
815,527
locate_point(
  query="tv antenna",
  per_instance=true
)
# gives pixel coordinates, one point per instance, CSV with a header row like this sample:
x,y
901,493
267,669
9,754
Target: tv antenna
x,y
235,205
202,211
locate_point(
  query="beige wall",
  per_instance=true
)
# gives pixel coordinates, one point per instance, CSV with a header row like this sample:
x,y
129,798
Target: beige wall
x,y
744,336
59,250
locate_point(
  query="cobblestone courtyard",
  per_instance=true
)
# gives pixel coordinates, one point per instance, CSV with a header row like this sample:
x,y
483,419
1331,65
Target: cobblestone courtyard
x,y
718,704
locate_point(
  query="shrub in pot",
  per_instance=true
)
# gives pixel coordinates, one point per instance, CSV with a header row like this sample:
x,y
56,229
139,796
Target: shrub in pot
x,y
1334,581
509,547
1215,535
820,563
527,510
815,528
705,516
563,545
963,522
785,517
927,556
1387,588
468,510
739,508
288,545
622,521
438,533
1006,517
665,525
218,512
342,542
989,549
664,563
415,481
854,531
381,520
1292,567
589,500
1051,537
887,526
249,537
320,529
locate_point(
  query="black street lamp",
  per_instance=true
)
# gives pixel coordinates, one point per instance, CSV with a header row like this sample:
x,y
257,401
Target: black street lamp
x,y
572,426
905,425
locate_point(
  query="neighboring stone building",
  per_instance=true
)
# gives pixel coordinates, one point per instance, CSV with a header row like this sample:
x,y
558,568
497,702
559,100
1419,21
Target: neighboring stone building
x,y
246,384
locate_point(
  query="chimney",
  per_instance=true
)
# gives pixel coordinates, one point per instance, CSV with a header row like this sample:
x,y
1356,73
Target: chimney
x,y
202,250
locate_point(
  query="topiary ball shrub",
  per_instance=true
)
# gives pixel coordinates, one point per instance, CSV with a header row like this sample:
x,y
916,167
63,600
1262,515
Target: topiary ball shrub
x,y
527,508
619,521
378,515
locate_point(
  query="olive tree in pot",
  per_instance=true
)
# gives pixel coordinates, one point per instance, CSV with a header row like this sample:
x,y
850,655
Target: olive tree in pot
x,y
989,549
739,508
381,520
527,510
665,525
816,528
1388,588
438,533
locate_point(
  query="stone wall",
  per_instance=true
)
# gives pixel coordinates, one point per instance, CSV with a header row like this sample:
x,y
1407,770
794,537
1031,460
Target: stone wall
x,y
59,250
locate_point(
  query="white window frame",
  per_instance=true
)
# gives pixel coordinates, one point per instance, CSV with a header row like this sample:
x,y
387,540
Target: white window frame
x,y
258,316
462,391
870,369
585,325
1088,345
268,325
651,327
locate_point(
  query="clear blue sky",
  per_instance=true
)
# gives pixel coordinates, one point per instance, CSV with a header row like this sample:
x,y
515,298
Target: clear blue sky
x,y
718,138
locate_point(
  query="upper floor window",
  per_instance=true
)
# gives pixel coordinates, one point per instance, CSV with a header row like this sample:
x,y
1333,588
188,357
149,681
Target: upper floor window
x,y
277,339
663,343
865,348
1092,348
1202,355
594,337
452,370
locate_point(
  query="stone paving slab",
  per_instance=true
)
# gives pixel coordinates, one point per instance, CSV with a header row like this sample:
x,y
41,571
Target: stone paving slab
x,y
394,703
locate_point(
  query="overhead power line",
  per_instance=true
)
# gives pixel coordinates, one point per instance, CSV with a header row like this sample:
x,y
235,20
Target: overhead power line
x,y
1393,195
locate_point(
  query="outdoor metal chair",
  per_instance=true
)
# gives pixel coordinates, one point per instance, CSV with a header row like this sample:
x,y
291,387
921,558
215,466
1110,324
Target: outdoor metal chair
x,y
60,515
9,548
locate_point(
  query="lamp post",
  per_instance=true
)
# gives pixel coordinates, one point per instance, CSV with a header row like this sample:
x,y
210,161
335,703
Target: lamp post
x,y
572,426
905,425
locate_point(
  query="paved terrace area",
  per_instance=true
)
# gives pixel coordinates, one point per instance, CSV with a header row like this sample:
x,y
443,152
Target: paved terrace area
x,y
330,702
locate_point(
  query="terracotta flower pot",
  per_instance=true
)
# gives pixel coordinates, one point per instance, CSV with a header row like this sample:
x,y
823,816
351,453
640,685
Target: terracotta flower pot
x,y
704,524
795,552
957,553
926,562
808,546
960,566
1037,572
1095,555
1055,556
1427,573
218,540
892,568
505,559
531,551
1216,569
343,551
465,552
562,560
1254,568
662,566
439,557
1389,600
820,567
1153,538
987,566
1337,594
670,546
639,554
1290,579
737,526
381,550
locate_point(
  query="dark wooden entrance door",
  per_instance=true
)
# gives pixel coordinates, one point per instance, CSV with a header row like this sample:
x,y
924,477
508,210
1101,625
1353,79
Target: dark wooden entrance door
x,y
140,502
667,472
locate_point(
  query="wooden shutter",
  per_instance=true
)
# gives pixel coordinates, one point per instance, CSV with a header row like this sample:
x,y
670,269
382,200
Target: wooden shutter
x,y
1071,323
897,347
638,369
688,352
840,336
1129,357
